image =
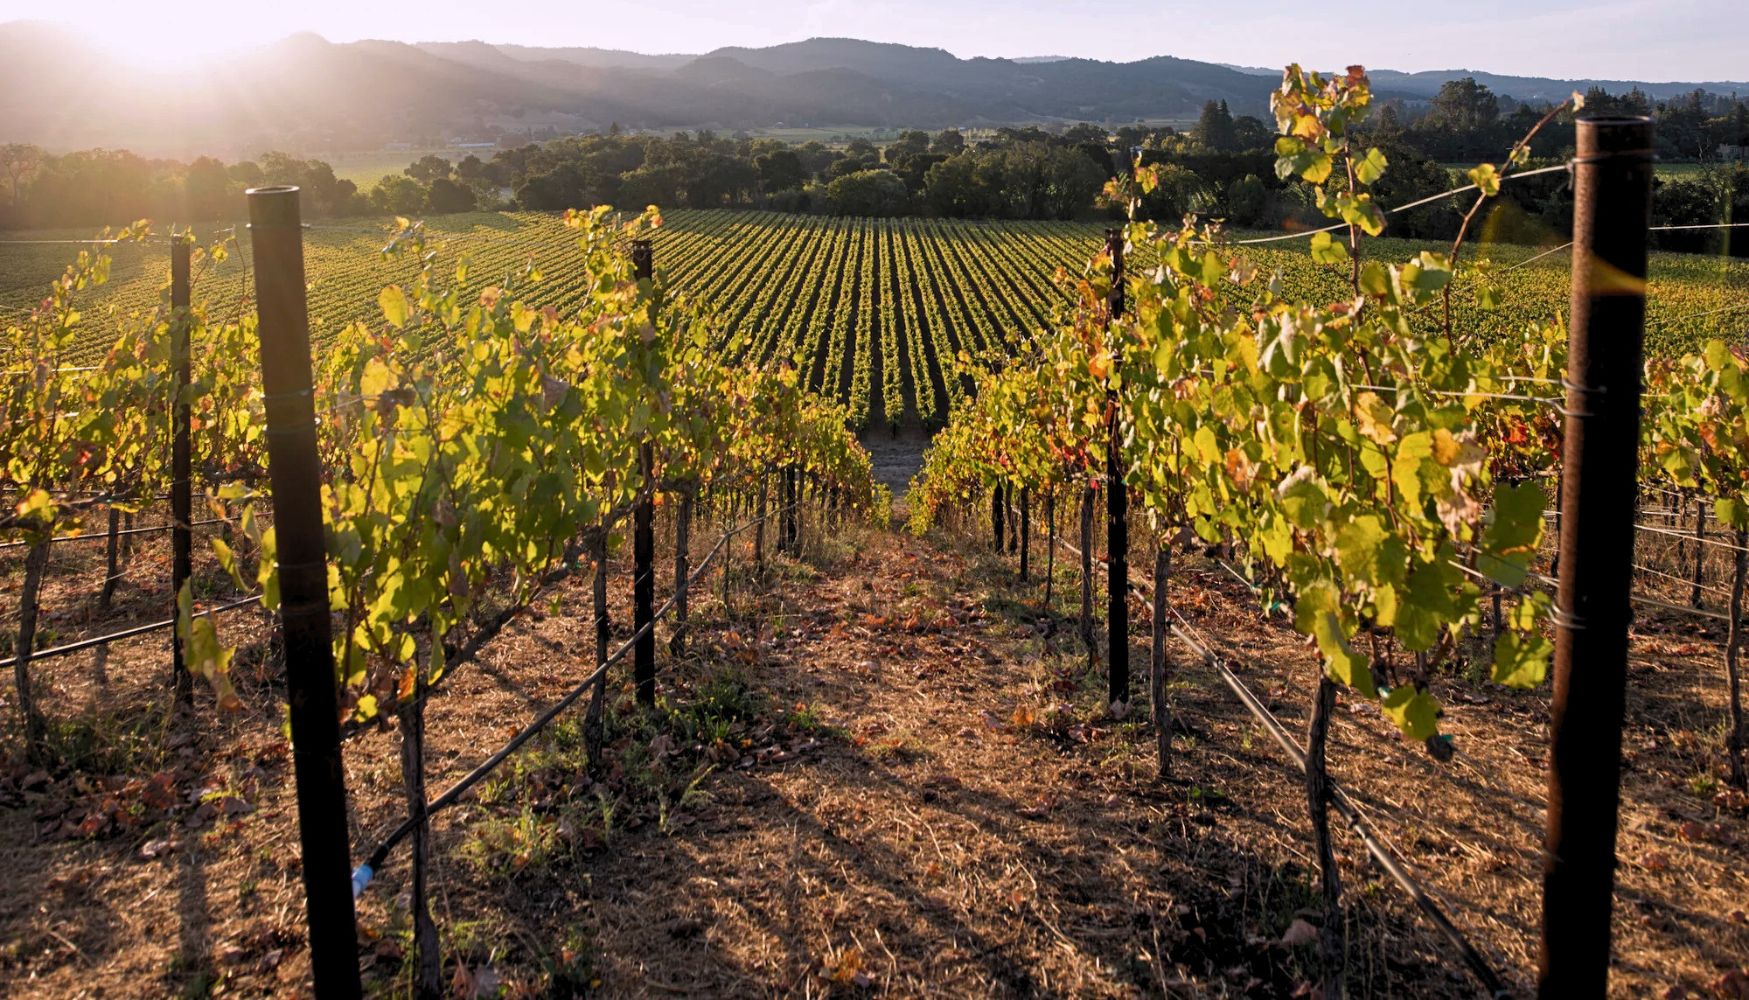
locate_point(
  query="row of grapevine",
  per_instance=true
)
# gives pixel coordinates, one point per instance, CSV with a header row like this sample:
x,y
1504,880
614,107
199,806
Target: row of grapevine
x,y
924,368
762,312
1377,466
781,282
460,444
100,431
865,349
886,311
839,374
989,321
797,307
949,331
823,308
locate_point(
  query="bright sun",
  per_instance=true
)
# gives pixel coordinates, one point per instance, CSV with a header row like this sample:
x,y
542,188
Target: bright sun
x,y
149,36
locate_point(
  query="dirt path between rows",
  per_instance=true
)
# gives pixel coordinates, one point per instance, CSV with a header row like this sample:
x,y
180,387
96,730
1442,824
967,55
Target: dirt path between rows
x,y
897,457
979,826
925,795
947,839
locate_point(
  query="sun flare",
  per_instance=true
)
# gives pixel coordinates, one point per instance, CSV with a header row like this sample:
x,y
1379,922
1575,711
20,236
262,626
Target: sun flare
x,y
166,38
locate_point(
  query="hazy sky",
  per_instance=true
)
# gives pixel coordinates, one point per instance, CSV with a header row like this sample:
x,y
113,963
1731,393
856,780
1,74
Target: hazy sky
x,y
1618,39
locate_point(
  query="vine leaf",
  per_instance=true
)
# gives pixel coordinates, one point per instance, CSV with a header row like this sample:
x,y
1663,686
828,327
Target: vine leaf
x,y
395,307
1327,251
1521,659
1415,712
1509,540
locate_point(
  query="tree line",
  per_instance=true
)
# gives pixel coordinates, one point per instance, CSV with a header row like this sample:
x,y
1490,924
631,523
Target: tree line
x,y
1222,167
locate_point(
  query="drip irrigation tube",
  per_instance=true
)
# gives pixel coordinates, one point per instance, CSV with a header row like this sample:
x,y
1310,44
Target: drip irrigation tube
x,y
1379,851
364,873
126,633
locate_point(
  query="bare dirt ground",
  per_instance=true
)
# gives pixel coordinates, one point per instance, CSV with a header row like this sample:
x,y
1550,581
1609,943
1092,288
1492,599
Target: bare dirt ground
x,y
897,457
883,772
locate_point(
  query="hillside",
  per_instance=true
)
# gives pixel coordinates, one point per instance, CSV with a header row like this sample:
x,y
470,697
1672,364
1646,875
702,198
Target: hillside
x,y
301,93
1426,83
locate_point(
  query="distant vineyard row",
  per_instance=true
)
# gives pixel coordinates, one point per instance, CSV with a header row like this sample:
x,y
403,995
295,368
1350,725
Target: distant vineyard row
x,y
876,309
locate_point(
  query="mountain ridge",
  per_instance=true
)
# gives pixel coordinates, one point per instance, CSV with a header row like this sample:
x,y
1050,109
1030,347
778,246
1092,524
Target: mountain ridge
x,y
303,92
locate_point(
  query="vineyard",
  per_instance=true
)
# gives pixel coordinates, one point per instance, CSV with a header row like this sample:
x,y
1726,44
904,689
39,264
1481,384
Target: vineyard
x,y
333,590
874,310
1381,471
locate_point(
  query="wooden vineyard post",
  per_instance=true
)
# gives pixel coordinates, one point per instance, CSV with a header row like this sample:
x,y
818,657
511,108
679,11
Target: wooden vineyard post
x,y
1699,550
1157,660
682,567
1010,506
427,959
1050,548
36,566
728,554
787,521
996,517
759,516
594,727
644,583
181,487
276,240
1332,937
1087,575
111,564
643,535
1025,531
1612,195
806,486
1117,503
791,520
1733,671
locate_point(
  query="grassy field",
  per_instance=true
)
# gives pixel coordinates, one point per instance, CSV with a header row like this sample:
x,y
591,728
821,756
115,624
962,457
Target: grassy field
x,y
366,168
831,135
874,309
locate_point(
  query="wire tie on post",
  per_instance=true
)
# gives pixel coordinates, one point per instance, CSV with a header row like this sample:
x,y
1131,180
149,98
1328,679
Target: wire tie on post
x,y
1567,620
1582,390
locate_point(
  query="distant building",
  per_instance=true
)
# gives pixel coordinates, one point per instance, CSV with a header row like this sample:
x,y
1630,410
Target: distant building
x,y
1730,152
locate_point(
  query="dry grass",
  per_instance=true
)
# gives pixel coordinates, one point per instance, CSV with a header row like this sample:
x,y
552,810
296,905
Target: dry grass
x,y
926,797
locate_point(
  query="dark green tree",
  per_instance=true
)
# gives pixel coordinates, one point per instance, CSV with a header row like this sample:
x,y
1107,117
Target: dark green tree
x,y
398,194
1214,127
948,142
208,192
911,143
868,192
780,170
429,168
1464,106
446,196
